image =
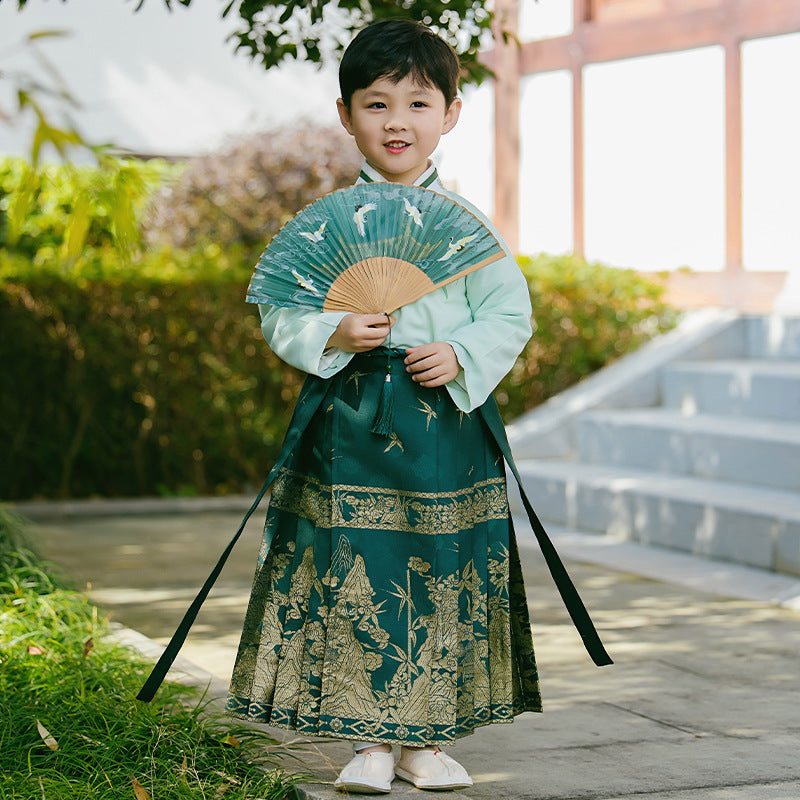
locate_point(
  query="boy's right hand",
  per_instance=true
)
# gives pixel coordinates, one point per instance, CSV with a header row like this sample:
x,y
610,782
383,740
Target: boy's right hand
x,y
357,333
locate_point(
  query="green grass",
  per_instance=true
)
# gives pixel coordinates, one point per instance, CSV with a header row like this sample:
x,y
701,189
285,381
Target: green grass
x,y
60,674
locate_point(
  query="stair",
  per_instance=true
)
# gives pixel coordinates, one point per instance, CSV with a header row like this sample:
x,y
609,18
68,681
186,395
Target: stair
x,y
709,463
745,387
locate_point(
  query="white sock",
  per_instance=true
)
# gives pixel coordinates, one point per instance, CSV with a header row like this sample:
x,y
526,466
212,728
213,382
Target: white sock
x,y
359,746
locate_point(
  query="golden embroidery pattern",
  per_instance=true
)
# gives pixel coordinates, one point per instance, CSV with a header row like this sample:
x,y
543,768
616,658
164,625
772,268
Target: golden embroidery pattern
x,y
388,602
426,409
394,441
321,658
343,506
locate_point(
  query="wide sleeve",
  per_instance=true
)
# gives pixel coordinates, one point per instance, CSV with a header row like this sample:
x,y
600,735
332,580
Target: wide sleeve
x,y
487,348
299,337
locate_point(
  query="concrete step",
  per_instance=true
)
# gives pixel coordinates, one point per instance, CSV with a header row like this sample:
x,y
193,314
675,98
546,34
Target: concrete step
x,y
734,387
751,451
729,521
772,337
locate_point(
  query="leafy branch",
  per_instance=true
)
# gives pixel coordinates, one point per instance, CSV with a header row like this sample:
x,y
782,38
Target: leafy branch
x,y
273,32
33,94
117,187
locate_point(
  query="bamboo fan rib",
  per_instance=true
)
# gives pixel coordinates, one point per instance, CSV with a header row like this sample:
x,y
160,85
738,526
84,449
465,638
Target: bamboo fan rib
x,y
371,249
377,286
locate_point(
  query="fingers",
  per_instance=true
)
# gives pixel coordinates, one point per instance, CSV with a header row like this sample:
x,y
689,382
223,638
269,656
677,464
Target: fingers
x,y
432,378
425,356
432,365
356,333
376,320
414,355
370,330
368,338
373,329
423,364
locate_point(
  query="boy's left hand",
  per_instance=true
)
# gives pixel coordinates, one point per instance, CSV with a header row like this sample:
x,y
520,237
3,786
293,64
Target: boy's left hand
x,y
432,365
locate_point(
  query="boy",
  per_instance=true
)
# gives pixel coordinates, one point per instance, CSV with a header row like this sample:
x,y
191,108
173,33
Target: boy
x,y
388,607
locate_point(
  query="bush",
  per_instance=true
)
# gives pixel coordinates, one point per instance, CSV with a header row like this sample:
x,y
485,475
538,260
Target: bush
x,y
136,387
69,212
124,383
585,315
236,200
242,197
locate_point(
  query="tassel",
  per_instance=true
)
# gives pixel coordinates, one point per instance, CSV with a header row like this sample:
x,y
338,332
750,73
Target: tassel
x,y
384,417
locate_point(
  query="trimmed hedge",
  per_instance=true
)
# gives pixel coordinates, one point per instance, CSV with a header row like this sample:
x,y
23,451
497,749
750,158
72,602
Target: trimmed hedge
x,y
136,388
585,315
136,385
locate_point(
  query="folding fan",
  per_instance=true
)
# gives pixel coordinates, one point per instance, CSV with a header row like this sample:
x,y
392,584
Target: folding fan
x,y
370,249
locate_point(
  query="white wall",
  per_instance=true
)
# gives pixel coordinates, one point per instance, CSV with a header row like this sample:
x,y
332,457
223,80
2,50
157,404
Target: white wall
x,y
465,158
655,161
542,19
546,163
771,152
654,154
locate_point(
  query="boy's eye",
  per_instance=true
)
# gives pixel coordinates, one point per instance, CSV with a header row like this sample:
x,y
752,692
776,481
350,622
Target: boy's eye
x,y
377,104
419,104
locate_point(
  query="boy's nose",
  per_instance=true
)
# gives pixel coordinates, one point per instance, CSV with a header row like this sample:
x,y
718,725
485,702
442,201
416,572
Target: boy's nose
x,y
396,123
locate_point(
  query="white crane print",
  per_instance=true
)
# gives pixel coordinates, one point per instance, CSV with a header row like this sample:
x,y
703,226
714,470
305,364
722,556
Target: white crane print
x,y
413,212
317,236
306,283
360,216
454,246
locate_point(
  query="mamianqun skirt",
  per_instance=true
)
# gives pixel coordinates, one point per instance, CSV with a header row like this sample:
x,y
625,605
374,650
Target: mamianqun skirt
x,y
388,602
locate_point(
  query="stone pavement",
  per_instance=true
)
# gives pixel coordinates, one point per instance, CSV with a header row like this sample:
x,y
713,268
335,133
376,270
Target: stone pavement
x,y
701,704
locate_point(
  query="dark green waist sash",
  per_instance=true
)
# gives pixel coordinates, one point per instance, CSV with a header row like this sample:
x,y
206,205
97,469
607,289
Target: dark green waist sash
x,y
310,399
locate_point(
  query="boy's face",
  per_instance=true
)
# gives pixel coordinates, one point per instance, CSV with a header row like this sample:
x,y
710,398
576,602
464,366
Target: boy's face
x,y
398,125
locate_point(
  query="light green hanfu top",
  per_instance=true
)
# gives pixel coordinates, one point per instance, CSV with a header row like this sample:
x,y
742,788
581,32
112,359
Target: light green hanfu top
x,y
485,316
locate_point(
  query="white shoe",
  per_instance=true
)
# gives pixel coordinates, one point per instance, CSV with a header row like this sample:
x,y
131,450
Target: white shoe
x,y
431,769
367,773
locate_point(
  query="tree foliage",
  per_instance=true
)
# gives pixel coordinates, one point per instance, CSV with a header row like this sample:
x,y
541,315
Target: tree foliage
x,y
69,212
272,32
74,206
44,95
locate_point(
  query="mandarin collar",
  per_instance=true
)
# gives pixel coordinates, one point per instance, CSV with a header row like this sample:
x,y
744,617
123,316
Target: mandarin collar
x,y
428,180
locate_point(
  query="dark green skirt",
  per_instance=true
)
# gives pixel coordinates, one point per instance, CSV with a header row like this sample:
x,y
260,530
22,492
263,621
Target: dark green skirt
x,y
388,603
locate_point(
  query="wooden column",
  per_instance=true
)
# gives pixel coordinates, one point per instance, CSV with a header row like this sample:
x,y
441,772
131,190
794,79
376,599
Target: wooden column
x,y
578,181
580,10
733,154
505,63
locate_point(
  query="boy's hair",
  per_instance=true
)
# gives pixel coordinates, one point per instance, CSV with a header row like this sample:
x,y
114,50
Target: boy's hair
x,y
393,49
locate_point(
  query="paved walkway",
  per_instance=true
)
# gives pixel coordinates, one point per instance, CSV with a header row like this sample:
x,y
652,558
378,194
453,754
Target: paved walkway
x,y
702,703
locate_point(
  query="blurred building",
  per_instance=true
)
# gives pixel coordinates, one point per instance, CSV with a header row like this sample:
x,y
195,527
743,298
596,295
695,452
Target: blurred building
x,y
655,134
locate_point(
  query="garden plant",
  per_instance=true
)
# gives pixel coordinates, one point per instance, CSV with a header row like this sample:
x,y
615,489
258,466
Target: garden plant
x,y
70,726
142,369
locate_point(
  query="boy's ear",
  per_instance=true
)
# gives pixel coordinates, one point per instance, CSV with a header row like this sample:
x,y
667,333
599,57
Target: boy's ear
x,y
344,116
451,116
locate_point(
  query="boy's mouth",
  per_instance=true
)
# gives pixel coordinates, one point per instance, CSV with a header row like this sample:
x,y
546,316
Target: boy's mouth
x,y
396,146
